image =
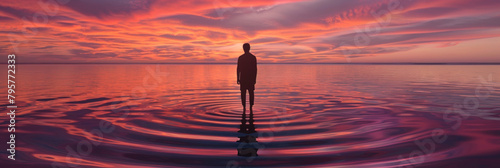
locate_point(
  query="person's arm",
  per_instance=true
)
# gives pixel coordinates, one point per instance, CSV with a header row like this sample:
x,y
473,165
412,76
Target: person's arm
x,y
255,80
238,72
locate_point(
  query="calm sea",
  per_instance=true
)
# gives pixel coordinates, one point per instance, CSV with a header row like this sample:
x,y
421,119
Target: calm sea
x,y
305,115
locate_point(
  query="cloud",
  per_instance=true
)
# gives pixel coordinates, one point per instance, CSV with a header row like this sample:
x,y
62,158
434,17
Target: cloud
x,y
202,42
449,44
90,54
103,9
265,40
3,18
213,35
67,24
19,13
45,47
429,12
89,45
176,37
279,31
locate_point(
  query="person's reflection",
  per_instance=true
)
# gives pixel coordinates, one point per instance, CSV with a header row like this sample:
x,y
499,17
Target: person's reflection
x,y
248,145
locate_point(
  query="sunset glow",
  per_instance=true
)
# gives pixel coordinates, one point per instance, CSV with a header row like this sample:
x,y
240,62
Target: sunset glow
x,y
280,31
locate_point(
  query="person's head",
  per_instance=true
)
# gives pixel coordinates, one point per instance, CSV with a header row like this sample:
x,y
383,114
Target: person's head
x,y
246,47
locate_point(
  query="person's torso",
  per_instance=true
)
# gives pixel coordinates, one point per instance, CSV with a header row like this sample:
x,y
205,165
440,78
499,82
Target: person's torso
x,y
247,64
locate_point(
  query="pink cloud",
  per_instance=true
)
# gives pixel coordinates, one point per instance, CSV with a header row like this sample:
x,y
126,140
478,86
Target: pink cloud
x,y
212,30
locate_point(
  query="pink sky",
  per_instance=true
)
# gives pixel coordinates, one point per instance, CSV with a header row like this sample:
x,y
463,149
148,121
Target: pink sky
x,y
280,31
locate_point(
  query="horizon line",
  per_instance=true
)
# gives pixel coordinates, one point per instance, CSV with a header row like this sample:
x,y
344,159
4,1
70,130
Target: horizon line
x,y
407,63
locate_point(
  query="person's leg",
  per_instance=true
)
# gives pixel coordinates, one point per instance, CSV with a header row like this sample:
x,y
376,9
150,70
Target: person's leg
x,y
251,95
243,99
251,126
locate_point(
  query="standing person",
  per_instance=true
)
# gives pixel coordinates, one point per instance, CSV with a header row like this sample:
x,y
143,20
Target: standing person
x,y
246,76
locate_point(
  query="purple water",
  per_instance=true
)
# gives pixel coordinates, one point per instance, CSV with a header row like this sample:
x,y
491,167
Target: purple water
x,y
304,116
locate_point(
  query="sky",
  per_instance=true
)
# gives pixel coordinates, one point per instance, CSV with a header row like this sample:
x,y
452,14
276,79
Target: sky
x,y
279,31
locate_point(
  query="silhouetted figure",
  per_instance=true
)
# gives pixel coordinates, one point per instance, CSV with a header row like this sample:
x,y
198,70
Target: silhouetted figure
x,y
246,75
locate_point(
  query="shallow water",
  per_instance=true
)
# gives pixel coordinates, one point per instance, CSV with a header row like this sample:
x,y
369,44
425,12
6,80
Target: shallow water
x,y
304,115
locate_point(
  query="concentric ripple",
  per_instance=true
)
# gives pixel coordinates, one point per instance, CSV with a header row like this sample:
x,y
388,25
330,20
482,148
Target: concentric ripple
x,y
295,123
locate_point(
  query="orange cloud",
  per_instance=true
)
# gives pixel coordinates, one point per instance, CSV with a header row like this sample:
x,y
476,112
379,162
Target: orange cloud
x,y
146,31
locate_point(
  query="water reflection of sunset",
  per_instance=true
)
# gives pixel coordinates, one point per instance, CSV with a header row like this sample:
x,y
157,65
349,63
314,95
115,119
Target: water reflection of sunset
x,y
327,115
140,31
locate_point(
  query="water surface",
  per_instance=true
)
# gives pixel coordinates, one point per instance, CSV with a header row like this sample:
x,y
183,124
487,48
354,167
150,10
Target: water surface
x,y
305,115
